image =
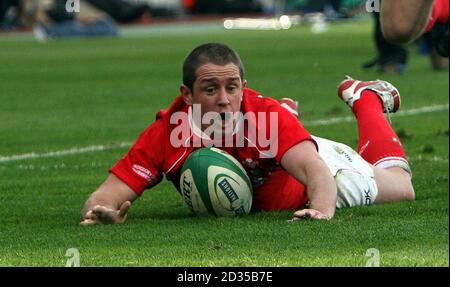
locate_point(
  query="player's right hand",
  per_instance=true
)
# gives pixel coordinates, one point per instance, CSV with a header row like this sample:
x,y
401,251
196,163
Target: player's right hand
x,y
104,215
309,214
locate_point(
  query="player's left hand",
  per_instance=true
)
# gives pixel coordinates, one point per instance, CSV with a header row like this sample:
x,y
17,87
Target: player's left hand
x,y
104,215
309,214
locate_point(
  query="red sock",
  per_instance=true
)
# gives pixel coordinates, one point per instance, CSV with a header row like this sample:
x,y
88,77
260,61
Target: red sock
x,y
378,142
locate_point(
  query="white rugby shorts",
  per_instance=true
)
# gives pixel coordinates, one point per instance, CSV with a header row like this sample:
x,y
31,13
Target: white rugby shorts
x,y
354,176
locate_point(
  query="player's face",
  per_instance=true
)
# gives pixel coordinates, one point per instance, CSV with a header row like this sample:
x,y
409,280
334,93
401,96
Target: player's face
x,y
218,89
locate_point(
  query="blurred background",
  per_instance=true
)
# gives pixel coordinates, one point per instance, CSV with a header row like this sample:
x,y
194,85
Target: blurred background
x,y
16,14
52,19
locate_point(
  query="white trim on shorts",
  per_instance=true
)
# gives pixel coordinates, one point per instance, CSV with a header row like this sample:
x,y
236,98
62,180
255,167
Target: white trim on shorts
x,y
393,161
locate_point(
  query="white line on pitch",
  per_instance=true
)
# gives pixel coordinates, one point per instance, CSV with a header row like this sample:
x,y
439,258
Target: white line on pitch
x,y
411,112
59,153
428,158
95,148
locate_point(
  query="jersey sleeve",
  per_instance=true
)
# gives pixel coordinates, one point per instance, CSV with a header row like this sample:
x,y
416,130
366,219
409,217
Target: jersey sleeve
x,y
439,13
141,167
290,132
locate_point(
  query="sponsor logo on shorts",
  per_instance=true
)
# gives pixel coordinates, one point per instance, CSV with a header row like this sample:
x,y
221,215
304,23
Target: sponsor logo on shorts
x,y
342,152
367,197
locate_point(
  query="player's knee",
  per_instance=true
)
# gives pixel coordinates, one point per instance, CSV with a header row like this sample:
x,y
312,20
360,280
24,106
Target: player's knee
x,y
398,37
405,183
399,33
394,184
409,192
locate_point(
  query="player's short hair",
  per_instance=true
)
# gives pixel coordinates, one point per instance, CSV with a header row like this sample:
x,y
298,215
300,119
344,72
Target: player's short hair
x,y
215,53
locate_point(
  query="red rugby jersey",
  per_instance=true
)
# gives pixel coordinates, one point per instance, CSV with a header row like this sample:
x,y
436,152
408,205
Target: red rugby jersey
x,y
439,13
154,154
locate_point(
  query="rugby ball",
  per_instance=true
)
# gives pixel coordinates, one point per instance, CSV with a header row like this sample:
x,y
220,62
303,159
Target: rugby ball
x,y
213,182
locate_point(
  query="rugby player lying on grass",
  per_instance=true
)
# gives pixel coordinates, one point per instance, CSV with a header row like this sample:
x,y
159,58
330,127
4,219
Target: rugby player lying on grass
x,y
304,173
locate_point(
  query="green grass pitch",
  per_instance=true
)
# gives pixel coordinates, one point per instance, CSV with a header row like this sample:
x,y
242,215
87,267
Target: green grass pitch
x,y
79,93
